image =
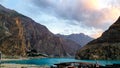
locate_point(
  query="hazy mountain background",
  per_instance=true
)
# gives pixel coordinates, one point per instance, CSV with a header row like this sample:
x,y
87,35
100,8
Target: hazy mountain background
x,y
81,38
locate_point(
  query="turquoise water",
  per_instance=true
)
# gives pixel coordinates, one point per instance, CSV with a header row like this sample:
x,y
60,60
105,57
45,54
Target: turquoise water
x,y
51,61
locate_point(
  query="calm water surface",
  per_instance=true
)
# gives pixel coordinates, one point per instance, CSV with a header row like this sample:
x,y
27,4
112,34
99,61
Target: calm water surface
x,y
51,61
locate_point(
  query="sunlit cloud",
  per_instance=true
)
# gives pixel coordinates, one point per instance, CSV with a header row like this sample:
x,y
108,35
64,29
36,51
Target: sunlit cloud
x,y
96,33
97,14
91,17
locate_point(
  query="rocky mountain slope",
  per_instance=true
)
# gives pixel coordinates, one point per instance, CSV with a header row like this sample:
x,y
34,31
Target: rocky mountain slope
x,y
105,47
81,38
20,35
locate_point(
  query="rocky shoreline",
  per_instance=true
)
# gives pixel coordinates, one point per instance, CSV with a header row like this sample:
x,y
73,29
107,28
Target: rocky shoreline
x,y
21,66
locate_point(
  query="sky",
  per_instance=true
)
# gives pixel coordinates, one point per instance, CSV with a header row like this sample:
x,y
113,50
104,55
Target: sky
x,y
91,17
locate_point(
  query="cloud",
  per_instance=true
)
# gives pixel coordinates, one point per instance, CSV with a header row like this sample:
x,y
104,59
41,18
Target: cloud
x,y
92,14
61,26
115,3
87,12
1,1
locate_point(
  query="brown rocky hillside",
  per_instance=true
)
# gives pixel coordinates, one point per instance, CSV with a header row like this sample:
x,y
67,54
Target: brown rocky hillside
x,y
20,35
105,47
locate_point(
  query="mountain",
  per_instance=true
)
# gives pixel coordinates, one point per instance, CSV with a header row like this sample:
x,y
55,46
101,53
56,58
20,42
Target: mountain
x,y
21,36
81,38
105,47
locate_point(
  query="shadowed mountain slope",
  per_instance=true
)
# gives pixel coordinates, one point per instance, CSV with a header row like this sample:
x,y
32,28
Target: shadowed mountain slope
x,y
105,47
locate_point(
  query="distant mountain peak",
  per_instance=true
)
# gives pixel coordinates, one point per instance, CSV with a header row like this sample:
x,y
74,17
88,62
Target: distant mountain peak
x,y
80,38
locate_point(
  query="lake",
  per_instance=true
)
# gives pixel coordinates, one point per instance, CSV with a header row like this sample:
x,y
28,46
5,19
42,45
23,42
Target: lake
x,y
51,61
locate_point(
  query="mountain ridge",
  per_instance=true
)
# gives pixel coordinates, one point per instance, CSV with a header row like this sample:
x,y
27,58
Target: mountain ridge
x,y
105,47
81,38
20,35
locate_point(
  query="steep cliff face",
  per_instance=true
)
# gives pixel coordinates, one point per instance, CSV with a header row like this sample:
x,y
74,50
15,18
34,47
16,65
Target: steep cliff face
x,y
20,35
105,47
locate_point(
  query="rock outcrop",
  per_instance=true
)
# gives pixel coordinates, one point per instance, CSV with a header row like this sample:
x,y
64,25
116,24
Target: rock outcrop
x,y
105,47
20,35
